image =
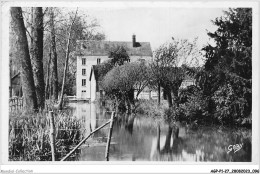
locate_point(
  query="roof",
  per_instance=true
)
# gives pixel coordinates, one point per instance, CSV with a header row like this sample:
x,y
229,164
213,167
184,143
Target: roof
x,y
17,75
102,48
98,72
94,70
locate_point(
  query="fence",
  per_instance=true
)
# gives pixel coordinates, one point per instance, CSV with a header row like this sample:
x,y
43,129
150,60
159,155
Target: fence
x,y
15,104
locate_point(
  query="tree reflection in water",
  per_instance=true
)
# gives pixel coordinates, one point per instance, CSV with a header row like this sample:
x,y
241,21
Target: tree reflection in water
x,y
207,144
136,137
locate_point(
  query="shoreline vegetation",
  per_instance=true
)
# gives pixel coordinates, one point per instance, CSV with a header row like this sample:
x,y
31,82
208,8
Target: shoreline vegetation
x,y
29,138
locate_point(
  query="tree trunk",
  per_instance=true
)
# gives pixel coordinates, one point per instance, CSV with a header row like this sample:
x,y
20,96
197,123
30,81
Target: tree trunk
x,y
169,97
10,73
158,137
167,145
30,99
130,122
159,94
60,104
37,54
54,58
47,86
176,97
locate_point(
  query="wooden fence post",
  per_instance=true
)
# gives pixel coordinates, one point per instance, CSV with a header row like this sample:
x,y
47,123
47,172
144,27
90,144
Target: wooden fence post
x,y
52,135
82,141
17,103
109,136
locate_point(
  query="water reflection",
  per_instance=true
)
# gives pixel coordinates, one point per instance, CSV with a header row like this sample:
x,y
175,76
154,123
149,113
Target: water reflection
x,y
136,138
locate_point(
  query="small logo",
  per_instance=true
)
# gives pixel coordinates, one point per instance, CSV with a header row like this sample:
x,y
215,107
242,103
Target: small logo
x,y
235,147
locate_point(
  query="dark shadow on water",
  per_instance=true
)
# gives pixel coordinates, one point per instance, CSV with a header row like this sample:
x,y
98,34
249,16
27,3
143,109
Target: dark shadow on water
x,y
203,146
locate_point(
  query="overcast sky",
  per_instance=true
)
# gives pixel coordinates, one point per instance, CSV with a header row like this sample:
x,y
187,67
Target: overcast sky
x,y
156,25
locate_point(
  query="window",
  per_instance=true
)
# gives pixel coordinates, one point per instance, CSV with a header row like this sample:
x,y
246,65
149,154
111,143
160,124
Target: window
x,y
83,72
83,61
83,82
98,60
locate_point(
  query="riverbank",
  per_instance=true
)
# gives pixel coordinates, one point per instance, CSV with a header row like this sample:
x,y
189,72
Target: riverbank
x,y
182,114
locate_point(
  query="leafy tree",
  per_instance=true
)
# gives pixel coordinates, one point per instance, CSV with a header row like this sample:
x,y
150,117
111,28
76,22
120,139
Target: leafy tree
x,y
121,82
118,56
229,64
166,67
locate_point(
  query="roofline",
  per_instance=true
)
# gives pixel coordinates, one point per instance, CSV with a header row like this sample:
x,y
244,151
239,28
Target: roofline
x,y
15,75
91,73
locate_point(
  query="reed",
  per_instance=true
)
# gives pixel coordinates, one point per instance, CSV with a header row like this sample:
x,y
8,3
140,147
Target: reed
x,y
29,135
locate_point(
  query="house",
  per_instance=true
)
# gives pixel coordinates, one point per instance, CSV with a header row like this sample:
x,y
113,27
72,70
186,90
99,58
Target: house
x,y
16,87
91,53
187,82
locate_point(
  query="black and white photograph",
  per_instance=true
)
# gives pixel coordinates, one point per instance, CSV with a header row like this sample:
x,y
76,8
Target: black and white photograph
x,y
127,83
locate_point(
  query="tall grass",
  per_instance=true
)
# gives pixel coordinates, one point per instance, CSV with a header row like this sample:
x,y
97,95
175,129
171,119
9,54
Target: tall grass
x,y
29,135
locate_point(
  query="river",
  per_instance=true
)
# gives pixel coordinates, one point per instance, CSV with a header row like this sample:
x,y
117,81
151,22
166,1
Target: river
x,y
138,139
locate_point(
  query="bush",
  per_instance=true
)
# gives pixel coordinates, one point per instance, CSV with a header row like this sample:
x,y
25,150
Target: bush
x,y
150,108
173,115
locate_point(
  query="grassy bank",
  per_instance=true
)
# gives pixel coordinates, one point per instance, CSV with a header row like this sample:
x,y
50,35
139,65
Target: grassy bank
x,y
187,114
29,135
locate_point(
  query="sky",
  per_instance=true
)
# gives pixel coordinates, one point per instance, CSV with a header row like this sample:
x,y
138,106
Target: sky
x,y
156,25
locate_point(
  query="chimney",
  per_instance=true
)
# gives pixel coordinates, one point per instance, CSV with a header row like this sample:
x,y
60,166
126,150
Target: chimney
x,y
98,61
134,40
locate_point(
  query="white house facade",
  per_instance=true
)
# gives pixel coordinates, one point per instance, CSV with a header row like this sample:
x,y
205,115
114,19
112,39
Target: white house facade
x,y
91,53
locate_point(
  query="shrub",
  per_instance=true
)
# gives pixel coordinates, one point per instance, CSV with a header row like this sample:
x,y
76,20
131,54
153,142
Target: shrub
x,y
173,114
195,106
150,108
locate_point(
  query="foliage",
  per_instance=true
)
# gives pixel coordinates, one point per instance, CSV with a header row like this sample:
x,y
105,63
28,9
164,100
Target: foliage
x,y
121,82
104,68
229,64
151,109
173,115
225,81
126,78
195,106
118,56
166,67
